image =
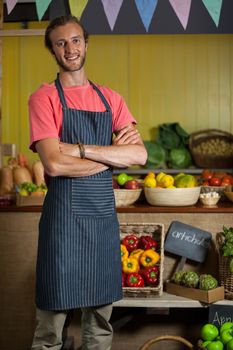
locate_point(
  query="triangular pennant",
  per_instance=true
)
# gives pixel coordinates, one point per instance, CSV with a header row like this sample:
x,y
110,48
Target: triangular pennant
x,y
77,7
58,8
182,10
146,9
214,8
112,9
41,7
10,4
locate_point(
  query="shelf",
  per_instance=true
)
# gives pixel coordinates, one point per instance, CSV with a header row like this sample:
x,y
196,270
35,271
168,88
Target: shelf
x,y
22,32
166,300
144,171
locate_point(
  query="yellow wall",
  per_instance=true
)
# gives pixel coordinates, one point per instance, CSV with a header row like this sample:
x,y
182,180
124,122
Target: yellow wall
x,y
164,78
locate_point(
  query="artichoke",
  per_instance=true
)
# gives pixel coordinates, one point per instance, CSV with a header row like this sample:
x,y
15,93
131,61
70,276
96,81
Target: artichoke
x,y
207,282
190,279
178,276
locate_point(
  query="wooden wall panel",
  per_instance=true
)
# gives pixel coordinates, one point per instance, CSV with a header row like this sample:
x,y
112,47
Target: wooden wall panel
x,y
164,78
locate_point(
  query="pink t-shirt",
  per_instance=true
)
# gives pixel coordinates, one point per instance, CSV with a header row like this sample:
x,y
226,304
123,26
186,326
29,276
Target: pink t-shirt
x,y
45,109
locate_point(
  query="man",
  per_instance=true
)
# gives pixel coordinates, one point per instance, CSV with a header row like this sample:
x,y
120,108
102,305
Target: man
x,y
72,122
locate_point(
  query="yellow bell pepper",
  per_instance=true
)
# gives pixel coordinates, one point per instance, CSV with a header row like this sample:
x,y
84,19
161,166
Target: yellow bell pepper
x,y
124,252
136,253
149,258
130,265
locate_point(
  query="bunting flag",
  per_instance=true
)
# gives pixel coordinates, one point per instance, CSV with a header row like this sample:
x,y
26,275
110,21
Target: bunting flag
x,y
41,7
77,7
10,4
182,10
214,8
146,9
58,8
112,9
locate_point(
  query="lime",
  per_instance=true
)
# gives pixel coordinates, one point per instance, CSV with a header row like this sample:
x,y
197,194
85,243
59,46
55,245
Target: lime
x,y
122,178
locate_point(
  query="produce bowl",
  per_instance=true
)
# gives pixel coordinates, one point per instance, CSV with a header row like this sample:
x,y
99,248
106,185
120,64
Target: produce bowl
x,y
175,197
219,189
229,193
124,198
209,201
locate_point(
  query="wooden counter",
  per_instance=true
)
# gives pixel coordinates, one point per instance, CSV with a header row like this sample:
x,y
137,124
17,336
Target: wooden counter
x,y
18,245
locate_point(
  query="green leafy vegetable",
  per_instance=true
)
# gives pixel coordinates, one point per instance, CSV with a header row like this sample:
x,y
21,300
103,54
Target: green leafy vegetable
x,y
226,244
156,155
179,158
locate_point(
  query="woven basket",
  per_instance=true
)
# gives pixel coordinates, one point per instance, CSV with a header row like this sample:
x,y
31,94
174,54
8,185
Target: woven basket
x,y
158,339
206,160
157,232
225,276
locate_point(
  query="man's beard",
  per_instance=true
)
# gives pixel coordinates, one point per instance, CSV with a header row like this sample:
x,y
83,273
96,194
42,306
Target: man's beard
x,y
67,68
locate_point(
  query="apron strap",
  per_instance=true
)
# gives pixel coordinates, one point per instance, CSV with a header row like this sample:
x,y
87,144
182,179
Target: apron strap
x,y
101,96
61,92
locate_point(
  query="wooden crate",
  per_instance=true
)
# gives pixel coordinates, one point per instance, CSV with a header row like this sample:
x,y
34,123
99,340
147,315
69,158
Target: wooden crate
x,y
29,200
157,232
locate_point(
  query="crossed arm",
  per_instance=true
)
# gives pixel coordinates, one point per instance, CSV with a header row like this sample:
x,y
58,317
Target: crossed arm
x,y
62,159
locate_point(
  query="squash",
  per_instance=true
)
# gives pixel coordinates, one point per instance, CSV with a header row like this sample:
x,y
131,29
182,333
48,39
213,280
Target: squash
x,y
6,180
38,172
21,175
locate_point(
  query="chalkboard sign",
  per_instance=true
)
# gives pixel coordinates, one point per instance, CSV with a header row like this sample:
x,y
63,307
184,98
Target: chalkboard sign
x,y
219,314
187,241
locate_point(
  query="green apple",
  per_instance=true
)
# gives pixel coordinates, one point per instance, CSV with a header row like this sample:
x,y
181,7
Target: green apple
x,y
225,325
230,345
122,178
209,331
216,345
205,343
226,335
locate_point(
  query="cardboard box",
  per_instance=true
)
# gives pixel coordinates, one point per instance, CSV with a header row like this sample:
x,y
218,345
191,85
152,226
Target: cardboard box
x,y
209,296
29,200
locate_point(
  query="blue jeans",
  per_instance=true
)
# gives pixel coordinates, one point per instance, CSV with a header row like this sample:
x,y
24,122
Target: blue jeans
x,y
97,332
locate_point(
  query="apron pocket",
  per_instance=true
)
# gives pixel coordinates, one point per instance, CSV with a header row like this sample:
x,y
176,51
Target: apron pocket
x,y
93,197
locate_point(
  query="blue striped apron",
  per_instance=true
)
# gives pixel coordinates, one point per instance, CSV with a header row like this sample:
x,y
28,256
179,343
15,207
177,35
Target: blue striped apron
x,y
79,262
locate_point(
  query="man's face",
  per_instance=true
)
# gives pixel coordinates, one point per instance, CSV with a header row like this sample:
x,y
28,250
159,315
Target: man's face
x,y
69,47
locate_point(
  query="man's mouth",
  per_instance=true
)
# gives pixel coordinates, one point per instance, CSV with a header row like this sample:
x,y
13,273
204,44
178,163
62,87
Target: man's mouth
x,y
72,58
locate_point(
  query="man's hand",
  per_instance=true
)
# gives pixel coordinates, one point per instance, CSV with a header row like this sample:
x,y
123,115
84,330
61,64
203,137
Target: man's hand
x,y
127,135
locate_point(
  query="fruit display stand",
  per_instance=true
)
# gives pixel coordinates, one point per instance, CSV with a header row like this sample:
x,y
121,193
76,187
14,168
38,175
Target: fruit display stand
x,y
18,244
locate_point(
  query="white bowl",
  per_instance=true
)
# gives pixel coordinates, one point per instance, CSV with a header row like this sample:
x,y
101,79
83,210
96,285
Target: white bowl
x,y
172,197
210,202
124,198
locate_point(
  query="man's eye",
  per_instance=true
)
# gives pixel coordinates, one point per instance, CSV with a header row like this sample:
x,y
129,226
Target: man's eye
x,y
76,41
60,44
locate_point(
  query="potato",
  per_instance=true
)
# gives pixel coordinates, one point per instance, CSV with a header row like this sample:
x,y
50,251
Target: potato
x,y
21,175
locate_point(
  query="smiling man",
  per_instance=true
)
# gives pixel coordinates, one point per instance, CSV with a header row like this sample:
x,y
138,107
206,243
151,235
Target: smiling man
x,y
72,123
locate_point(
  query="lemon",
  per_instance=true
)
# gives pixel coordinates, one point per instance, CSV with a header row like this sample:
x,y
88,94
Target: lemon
x,y
177,177
151,175
23,192
159,176
186,181
166,181
149,182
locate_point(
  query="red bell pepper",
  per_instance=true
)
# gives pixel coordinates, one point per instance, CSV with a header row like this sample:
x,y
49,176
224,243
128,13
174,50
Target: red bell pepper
x,y
131,242
150,275
123,279
147,242
134,280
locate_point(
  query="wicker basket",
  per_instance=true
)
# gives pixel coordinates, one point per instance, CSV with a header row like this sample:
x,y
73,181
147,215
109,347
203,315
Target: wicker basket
x,y
210,160
157,232
225,276
158,339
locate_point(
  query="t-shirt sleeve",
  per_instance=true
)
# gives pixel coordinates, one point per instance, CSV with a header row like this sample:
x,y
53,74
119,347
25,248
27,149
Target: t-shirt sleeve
x,y
41,119
121,114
